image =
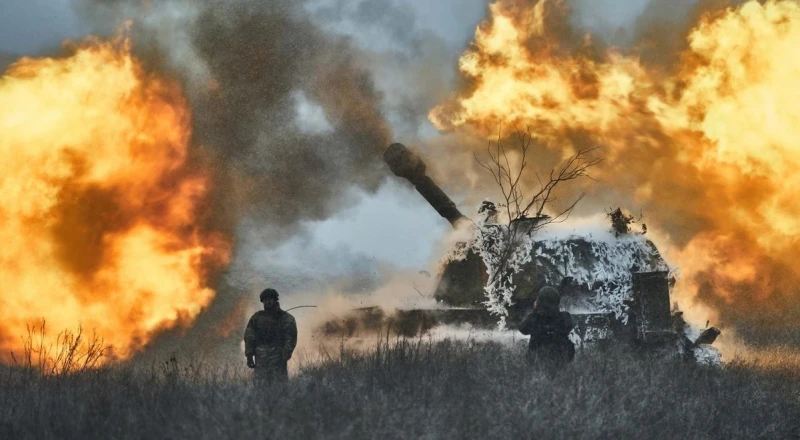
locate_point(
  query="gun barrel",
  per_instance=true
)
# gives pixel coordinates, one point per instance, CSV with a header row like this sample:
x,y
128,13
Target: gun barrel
x,y
404,163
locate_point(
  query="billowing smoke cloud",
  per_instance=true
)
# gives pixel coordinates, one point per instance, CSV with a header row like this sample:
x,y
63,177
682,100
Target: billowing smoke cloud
x,y
266,68
289,113
696,125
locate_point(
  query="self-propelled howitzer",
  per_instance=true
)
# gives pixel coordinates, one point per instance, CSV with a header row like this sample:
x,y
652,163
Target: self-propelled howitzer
x,y
617,286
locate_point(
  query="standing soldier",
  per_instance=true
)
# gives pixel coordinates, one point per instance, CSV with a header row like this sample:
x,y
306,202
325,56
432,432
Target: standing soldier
x,y
549,329
269,340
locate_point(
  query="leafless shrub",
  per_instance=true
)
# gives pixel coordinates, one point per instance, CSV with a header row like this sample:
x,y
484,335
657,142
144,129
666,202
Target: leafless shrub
x,y
520,203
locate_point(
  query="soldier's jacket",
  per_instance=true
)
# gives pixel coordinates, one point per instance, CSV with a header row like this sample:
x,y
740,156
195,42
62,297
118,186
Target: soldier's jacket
x,y
549,332
271,338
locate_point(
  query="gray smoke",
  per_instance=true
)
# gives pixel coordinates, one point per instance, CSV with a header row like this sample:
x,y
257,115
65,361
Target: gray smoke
x,y
289,115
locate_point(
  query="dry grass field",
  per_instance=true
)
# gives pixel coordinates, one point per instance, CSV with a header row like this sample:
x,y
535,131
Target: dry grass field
x,y
411,389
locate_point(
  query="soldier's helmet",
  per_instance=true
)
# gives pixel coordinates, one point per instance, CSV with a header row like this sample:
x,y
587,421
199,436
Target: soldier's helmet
x,y
548,298
268,293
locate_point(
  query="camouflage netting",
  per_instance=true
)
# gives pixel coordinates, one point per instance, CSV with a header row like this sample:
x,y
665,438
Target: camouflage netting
x,y
593,268
603,266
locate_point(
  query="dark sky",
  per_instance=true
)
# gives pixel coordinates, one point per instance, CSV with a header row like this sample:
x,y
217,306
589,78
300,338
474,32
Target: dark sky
x,y
28,26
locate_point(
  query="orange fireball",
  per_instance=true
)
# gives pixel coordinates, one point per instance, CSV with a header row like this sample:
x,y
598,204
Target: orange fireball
x,y
710,148
100,214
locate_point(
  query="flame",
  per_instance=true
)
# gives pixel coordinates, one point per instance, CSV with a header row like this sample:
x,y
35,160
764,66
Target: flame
x,y
709,147
101,213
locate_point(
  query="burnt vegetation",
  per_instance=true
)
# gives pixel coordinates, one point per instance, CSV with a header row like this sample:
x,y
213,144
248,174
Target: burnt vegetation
x,y
410,389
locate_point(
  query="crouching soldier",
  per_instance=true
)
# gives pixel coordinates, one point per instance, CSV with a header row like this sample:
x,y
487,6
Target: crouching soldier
x,y
269,340
549,329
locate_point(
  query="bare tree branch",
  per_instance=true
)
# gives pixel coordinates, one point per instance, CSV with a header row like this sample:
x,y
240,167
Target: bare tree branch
x,y
509,178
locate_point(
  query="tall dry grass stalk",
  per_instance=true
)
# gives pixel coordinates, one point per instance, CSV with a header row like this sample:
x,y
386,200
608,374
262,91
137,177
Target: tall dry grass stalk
x,y
70,351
